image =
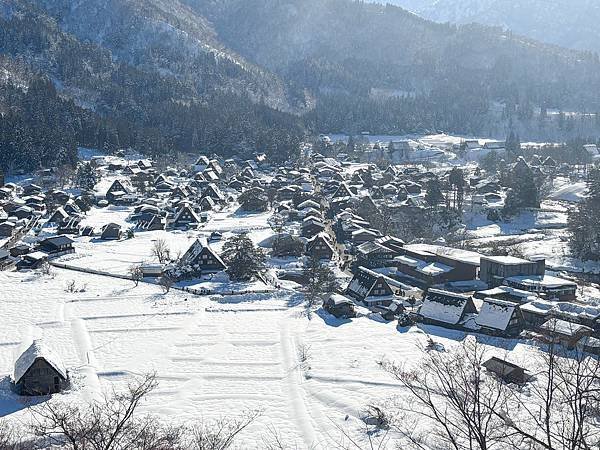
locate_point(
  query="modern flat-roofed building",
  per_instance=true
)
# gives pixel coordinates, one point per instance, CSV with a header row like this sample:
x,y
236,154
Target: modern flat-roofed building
x,y
495,269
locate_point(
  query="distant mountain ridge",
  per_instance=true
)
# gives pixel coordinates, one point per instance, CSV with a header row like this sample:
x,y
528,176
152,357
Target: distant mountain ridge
x,y
236,76
568,23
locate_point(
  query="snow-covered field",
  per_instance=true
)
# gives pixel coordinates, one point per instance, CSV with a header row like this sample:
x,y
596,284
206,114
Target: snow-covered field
x,y
214,357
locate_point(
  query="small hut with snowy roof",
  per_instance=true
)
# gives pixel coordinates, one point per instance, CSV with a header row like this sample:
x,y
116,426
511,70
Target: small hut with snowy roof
x,y
39,371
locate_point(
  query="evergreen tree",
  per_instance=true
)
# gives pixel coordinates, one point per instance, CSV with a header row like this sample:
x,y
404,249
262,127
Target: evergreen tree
x,y
513,145
456,178
86,177
523,191
584,221
243,258
491,162
320,281
433,193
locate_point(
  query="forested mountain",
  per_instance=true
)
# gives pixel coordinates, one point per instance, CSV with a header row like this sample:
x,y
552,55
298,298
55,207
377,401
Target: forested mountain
x,y
127,90
233,76
382,69
569,23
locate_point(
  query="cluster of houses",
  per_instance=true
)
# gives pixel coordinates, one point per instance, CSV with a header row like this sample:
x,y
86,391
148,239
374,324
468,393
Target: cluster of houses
x,y
326,211
432,284
22,210
498,295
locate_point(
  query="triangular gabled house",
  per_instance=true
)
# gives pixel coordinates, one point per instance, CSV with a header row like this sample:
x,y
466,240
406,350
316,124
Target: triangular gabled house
x,y
446,309
372,288
39,371
59,216
111,232
201,258
72,209
185,217
118,189
320,247
500,318
182,192
213,191
342,191
201,164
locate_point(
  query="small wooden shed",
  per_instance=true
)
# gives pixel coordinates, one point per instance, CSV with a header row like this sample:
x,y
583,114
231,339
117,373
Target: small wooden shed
x,y
39,371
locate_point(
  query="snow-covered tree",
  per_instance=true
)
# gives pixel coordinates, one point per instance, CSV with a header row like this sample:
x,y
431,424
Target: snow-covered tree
x,y
86,177
243,258
584,221
320,281
433,192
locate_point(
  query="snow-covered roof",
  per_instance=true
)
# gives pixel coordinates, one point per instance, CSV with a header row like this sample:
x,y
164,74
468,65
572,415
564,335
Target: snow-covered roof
x,y
309,204
460,255
338,299
427,268
35,351
495,314
565,309
443,306
506,260
542,281
372,247
196,248
563,327
364,231
186,208
514,292
364,280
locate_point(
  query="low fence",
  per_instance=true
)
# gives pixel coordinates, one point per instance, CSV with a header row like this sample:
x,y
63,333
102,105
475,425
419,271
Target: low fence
x,y
90,271
212,292
194,291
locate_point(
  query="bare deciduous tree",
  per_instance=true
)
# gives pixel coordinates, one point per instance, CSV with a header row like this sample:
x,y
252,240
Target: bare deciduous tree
x,y
467,408
10,437
109,424
161,251
71,286
166,282
136,273
563,406
45,268
220,434
113,423
453,393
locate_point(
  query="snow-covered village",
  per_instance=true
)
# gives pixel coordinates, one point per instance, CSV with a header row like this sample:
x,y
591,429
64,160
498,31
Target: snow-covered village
x,y
321,304
299,225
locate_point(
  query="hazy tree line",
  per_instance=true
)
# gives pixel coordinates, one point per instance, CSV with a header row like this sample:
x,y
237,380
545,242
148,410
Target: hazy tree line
x,y
43,129
120,105
431,76
584,221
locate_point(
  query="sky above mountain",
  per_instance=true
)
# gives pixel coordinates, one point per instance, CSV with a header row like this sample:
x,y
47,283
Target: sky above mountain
x,y
568,23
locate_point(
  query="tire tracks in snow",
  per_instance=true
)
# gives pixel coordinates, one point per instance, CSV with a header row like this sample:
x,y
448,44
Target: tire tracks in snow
x,y
90,365
295,395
